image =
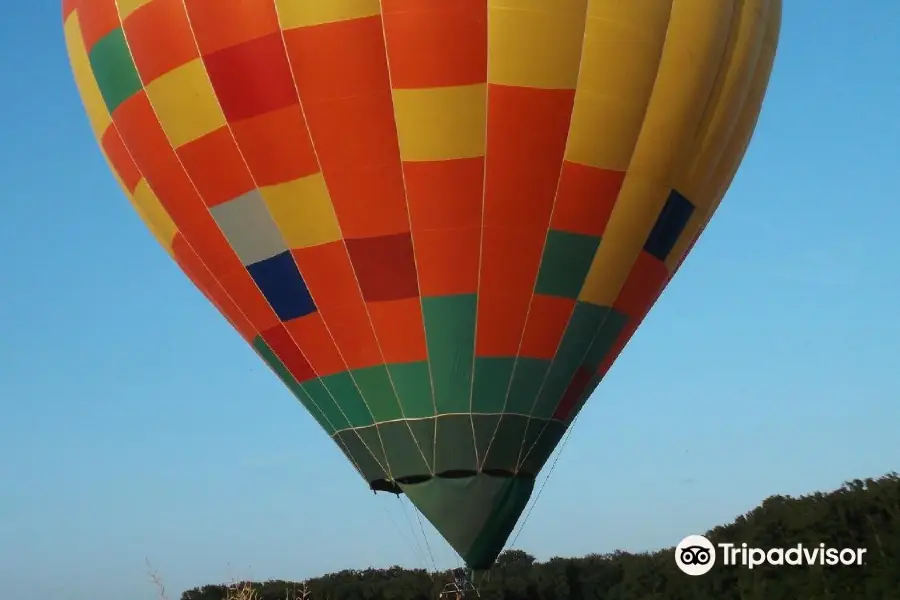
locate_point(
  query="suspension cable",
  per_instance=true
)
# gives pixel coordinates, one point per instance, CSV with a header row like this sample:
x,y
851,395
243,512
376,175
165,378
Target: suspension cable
x,y
546,479
417,548
433,568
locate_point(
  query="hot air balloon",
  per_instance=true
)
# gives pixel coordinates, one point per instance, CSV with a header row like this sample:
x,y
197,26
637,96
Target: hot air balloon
x,y
438,221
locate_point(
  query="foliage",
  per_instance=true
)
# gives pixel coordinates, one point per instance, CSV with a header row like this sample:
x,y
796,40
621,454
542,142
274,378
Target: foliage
x,y
861,514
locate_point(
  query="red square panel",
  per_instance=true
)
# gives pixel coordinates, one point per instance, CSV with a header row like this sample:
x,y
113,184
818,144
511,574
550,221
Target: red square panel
x,y
282,344
252,78
385,267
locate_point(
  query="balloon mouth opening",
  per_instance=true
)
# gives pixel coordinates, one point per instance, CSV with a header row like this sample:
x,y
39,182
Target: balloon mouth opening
x,y
393,485
474,510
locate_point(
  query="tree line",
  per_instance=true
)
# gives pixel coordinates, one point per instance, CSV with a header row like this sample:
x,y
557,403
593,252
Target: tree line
x,y
860,514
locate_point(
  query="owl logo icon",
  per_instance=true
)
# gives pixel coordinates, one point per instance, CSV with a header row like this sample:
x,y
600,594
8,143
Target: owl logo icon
x,y
695,555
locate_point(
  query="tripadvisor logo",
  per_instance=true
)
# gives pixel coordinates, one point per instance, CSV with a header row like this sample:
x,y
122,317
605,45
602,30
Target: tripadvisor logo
x,y
696,555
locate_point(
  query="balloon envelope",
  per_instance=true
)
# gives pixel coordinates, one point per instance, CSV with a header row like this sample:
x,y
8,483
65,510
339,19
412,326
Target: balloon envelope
x,y
438,221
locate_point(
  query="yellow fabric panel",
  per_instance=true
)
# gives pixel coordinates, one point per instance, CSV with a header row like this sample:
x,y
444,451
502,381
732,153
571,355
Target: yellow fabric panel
x,y
535,43
91,97
441,123
303,212
185,103
126,7
743,130
698,32
154,215
623,43
737,144
148,208
143,199
731,94
302,13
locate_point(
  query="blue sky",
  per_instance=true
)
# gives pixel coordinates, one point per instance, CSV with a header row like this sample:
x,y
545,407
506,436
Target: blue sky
x,y
135,423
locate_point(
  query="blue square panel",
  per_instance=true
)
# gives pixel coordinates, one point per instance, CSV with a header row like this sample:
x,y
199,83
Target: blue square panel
x,y
671,222
281,283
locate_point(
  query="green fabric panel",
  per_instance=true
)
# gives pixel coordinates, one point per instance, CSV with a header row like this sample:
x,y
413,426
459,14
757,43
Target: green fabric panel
x,y
533,431
485,426
377,392
545,441
343,389
603,341
319,394
403,454
565,263
412,382
492,387
266,353
528,378
450,334
371,437
114,69
454,448
508,506
582,400
474,514
605,338
357,452
584,324
504,452
491,382
423,431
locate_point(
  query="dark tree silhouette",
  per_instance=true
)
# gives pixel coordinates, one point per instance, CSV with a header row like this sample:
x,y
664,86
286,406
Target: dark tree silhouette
x,y
861,514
